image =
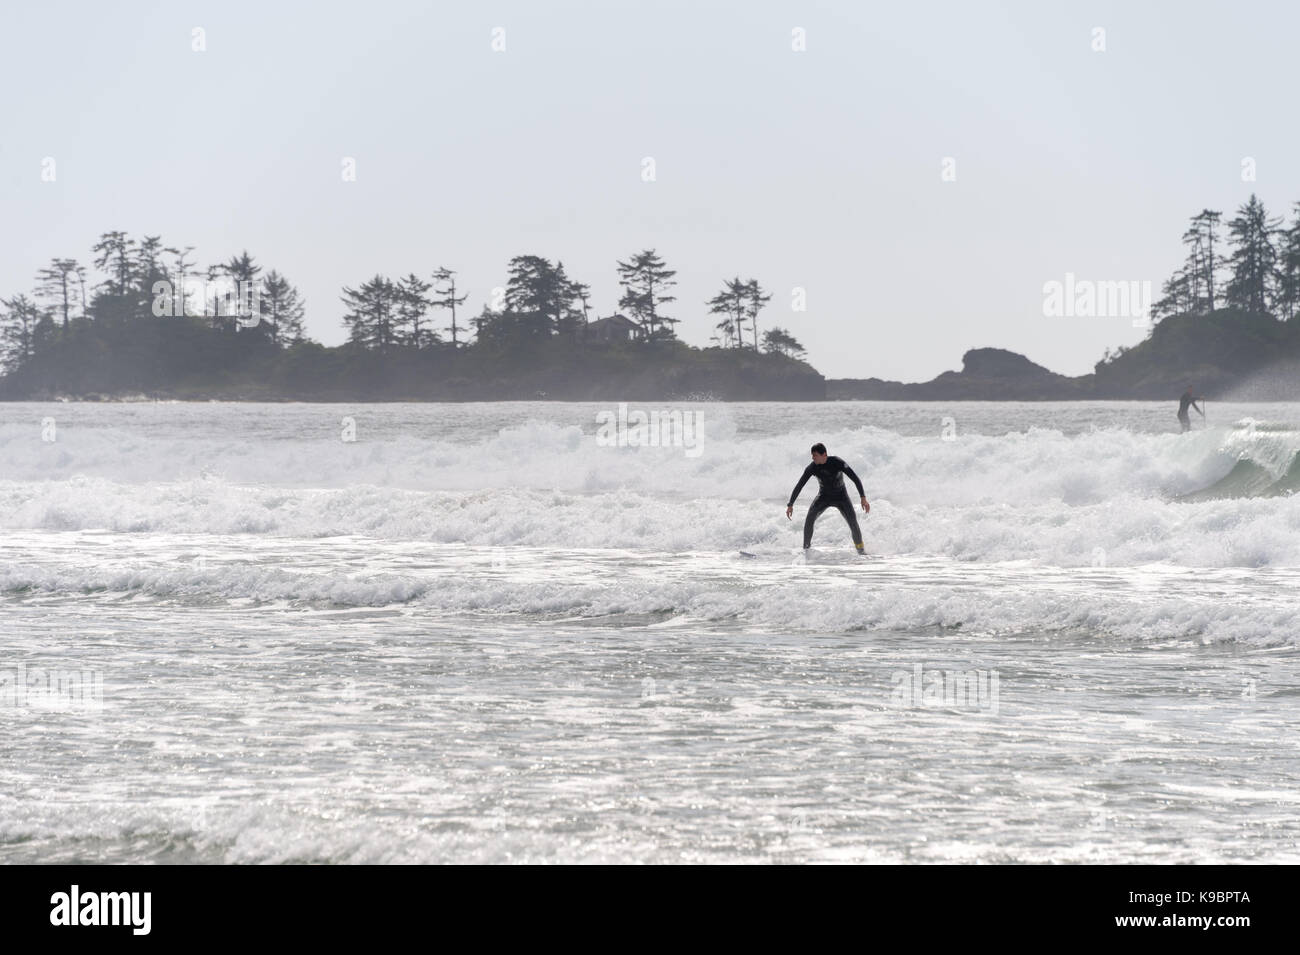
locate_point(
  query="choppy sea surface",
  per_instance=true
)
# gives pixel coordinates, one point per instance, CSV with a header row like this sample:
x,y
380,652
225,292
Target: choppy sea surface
x,y
525,632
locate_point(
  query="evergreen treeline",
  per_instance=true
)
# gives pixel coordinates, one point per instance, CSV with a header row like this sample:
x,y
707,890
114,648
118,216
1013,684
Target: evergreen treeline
x,y
145,316
1257,272
141,282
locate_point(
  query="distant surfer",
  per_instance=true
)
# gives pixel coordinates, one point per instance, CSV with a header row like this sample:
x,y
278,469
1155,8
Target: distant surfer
x,y
1184,403
829,471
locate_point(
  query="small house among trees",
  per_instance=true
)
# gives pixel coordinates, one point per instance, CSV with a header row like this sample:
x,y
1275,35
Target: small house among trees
x,y
615,328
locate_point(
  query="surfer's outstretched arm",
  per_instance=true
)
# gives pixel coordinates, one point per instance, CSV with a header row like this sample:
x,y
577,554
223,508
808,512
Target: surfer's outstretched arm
x,y
856,480
862,495
807,473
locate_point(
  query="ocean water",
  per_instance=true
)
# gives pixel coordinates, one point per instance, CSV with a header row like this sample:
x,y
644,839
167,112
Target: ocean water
x,y
519,632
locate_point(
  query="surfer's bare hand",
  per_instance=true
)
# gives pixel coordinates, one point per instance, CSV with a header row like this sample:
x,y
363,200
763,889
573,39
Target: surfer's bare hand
x,y
788,511
865,506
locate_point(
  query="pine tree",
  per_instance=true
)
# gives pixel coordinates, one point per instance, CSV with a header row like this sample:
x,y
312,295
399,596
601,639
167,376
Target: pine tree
x,y
1288,290
117,299
116,257
243,272
756,299
1192,272
1175,297
1204,224
645,281
56,283
538,295
282,309
781,342
1253,262
412,305
181,270
370,314
233,292
446,298
489,326
733,303
147,271
18,335
569,319
582,293
1192,289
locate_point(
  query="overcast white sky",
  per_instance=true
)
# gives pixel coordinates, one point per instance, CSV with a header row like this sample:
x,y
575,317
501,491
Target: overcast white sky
x,y
818,169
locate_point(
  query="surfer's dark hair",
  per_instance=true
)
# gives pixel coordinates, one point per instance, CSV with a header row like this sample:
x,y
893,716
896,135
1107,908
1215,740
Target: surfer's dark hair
x,y
819,448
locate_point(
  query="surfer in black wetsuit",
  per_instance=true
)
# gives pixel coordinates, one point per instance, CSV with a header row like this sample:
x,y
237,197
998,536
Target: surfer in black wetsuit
x,y
829,472
1184,418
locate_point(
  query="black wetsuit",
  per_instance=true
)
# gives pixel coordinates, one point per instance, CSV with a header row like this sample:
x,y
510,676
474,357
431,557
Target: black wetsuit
x,y
831,493
1183,417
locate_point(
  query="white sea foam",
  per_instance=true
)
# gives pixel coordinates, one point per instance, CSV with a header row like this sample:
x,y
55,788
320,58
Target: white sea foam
x,y
1126,529
475,635
1020,467
781,593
